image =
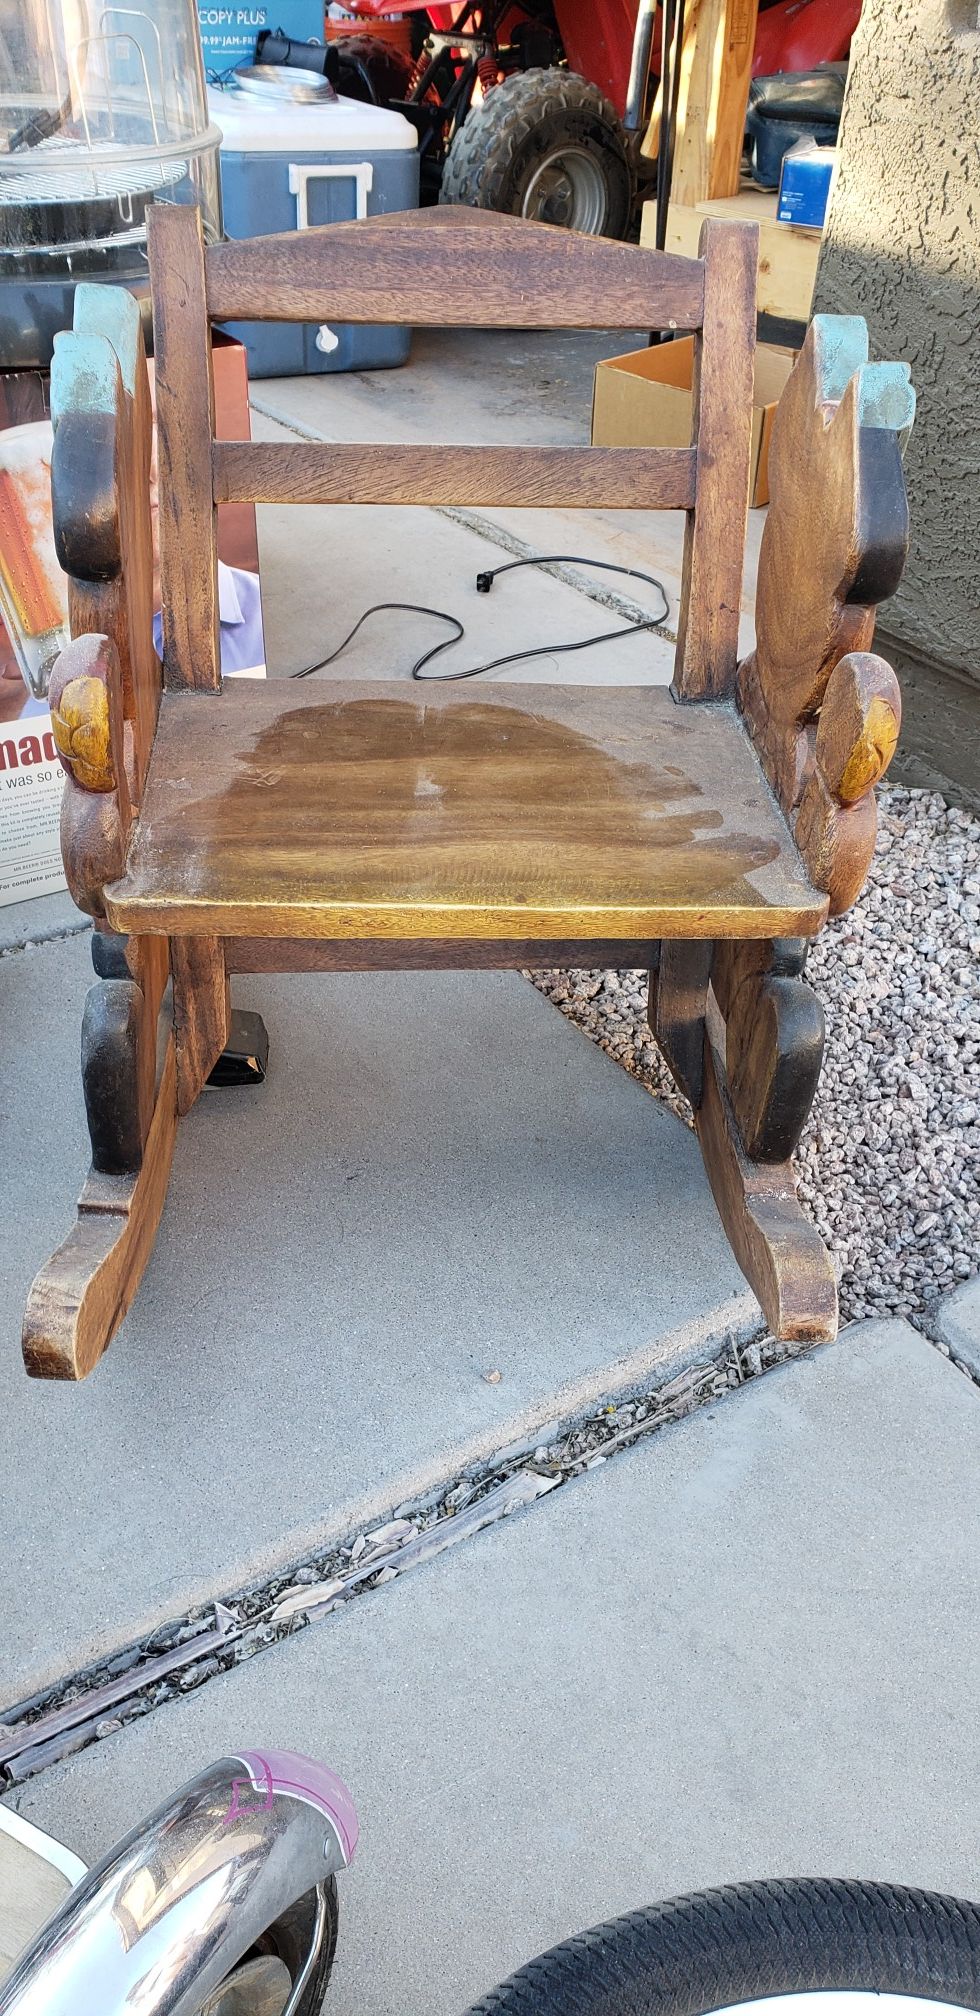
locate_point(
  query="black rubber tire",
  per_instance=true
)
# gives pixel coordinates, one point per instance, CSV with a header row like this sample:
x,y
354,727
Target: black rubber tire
x,y
502,141
388,68
291,1937
723,1947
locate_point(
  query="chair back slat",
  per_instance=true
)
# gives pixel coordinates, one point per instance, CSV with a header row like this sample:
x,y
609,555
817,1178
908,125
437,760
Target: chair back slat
x,y
448,267
660,479
184,389
460,274
714,545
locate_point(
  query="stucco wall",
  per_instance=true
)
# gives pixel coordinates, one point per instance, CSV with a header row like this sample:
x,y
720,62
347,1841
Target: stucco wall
x,y
902,248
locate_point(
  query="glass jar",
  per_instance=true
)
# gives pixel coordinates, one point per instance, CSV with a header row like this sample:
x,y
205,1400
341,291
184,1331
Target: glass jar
x,y
103,111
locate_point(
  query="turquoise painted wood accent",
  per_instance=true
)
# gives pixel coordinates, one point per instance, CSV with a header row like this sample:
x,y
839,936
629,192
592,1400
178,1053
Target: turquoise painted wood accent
x,y
840,347
885,396
85,375
114,313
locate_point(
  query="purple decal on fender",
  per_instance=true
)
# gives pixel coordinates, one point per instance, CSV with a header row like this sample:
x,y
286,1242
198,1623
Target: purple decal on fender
x,y
297,1777
245,1791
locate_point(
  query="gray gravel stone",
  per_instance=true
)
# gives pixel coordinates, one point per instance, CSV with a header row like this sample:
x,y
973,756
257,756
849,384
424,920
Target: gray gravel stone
x,y
888,1164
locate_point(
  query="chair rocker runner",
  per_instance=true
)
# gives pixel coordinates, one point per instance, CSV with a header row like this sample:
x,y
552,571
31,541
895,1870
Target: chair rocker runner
x,y
704,832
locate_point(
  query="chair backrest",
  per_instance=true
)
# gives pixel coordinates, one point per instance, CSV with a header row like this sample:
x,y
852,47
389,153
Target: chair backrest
x,y
461,268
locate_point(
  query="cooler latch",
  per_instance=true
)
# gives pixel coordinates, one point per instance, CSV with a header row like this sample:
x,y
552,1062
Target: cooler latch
x,y
301,174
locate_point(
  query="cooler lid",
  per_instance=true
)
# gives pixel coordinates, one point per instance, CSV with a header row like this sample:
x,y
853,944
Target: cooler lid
x,y
339,126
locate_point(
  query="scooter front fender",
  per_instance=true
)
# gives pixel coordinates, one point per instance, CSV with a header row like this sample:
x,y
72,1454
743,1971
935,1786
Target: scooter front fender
x,y
155,1927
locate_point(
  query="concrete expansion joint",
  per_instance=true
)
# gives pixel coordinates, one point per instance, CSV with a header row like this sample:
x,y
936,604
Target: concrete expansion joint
x,y
178,1657
931,1325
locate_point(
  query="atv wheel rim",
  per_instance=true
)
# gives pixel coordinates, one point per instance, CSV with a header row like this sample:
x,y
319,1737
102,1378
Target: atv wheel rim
x,y
568,187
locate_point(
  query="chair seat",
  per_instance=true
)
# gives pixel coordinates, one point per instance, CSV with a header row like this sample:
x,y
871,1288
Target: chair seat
x,y
377,811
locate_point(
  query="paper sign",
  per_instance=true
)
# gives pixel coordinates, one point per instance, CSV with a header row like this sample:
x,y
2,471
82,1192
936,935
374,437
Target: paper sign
x,y
31,783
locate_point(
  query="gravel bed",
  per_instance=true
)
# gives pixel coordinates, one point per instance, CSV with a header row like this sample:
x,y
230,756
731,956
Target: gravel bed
x,y
888,1164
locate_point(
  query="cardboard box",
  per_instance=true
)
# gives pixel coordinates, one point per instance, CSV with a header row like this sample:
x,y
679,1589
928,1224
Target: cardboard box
x,y
804,184
643,400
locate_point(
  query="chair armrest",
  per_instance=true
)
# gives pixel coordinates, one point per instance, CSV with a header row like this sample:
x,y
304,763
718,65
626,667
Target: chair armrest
x,y
823,710
100,471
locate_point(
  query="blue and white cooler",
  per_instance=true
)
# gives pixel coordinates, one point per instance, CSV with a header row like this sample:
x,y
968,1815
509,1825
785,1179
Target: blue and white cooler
x,y
287,164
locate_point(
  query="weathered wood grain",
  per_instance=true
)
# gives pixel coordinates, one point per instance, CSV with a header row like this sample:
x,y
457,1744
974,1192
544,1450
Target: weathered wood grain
x,y
774,1042
307,472
823,711
858,729
356,826
678,995
714,540
458,272
782,1256
739,960
202,1012
148,961
785,748
395,811
86,702
79,1299
857,733
185,430
85,696
716,68
424,955
836,535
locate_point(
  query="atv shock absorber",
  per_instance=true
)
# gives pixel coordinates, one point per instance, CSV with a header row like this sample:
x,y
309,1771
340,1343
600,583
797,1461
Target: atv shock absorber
x,y
488,71
419,69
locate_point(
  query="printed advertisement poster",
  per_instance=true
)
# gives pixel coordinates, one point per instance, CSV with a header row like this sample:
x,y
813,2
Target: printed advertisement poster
x,y
229,34
31,780
33,602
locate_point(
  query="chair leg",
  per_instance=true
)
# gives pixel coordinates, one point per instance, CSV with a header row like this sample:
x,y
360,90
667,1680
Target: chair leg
x,y
143,1065
202,1012
760,1027
129,1077
782,1256
79,1299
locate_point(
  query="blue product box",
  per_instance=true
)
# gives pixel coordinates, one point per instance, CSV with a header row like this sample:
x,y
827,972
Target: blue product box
x,y
229,33
804,184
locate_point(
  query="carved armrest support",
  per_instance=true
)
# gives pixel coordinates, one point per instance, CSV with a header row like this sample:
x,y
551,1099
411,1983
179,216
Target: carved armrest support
x,y
823,712
837,821
86,700
100,484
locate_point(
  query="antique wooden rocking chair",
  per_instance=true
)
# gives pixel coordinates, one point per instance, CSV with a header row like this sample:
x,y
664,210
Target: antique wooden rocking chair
x,y
703,832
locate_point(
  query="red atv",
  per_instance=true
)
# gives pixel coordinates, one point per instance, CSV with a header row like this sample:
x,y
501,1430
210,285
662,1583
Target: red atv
x,y
520,105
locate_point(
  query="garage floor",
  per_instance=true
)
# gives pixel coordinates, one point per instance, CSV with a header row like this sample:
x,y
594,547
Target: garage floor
x,y
329,563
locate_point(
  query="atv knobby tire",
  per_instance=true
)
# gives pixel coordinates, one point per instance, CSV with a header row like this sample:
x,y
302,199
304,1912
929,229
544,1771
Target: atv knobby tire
x,y
508,154
371,69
